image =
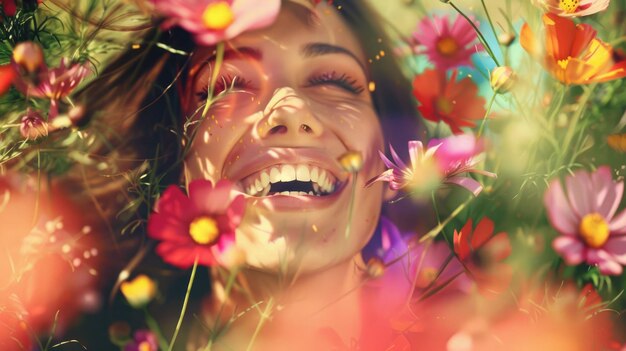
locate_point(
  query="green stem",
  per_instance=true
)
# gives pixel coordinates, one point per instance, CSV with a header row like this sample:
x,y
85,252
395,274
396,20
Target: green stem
x,y
351,207
482,125
264,318
219,58
493,29
480,35
437,229
154,327
569,135
182,312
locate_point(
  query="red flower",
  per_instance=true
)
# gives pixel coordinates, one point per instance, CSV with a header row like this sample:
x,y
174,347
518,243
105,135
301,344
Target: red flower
x,y
8,7
453,102
201,225
482,253
7,73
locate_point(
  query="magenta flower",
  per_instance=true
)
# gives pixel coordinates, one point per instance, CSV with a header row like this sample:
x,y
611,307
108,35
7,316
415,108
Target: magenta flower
x,y
584,215
446,45
201,225
33,125
444,161
212,21
54,84
573,8
143,340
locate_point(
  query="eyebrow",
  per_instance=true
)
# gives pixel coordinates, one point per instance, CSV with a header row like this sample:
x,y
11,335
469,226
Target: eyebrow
x,y
308,50
319,49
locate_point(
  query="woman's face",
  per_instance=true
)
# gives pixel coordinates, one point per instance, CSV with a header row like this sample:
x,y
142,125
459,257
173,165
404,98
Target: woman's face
x,y
298,99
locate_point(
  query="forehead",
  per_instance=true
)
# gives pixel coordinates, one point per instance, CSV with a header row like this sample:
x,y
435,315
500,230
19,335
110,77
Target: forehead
x,y
297,26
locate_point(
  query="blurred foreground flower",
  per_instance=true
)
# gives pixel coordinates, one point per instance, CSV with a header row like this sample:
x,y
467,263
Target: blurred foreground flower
x,y
453,102
7,74
442,162
28,58
482,253
447,45
8,7
212,21
617,142
33,125
573,8
139,291
53,84
200,226
585,217
143,340
572,53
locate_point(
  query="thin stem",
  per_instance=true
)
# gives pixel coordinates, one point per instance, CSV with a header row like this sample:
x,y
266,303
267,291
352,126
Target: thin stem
x,y
482,125
437,229
353,192
264,317
480,35
219,58
154,327
493,29
182,312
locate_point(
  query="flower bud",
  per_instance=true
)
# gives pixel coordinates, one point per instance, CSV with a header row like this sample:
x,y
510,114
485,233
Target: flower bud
x,y
375,267
502,79
33,125
7,73
617,142
29,57
139,291
506,38
351,161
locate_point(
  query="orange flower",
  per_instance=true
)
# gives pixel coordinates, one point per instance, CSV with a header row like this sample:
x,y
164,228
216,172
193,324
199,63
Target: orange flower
x,y
572,53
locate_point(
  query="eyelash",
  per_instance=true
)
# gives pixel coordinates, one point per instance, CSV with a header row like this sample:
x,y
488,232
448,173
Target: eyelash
x,y
342,81
234,82
333,78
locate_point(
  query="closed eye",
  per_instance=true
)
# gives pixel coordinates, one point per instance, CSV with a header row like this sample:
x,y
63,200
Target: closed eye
x,y
225,83
333,78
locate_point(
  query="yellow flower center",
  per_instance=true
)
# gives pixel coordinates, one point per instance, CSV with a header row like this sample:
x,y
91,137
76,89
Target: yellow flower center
x,y
218,15
443,106
569,6
204,230
426,276
145,346
594,230
447,46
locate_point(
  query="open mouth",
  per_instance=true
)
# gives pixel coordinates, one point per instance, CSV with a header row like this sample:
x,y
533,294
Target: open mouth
x,y
291,179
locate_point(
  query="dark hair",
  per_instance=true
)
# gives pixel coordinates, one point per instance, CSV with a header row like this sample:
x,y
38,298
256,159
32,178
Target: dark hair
x,y
141,127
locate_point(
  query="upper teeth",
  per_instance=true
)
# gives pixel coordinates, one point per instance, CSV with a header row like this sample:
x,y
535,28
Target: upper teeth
x,y
259,184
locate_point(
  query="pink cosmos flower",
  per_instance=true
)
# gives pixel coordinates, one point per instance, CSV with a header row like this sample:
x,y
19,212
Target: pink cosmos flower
x,y
584,214
446,45
573,8
201,225
212,21
444,161
54,84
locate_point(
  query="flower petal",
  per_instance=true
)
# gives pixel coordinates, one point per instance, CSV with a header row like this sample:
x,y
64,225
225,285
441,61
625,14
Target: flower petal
x,y
570,248
560,213
605,262
616,246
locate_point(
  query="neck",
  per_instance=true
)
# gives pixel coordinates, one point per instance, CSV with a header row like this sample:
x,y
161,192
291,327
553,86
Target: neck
x,y
301,306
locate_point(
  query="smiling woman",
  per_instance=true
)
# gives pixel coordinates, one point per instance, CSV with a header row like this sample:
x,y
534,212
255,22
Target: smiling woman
x,y
272,111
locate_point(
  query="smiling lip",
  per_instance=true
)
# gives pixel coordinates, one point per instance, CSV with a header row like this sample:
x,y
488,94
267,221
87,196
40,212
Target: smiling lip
x,y
250,163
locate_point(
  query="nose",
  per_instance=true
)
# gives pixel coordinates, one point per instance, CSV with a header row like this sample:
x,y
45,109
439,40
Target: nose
x,y
289,114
